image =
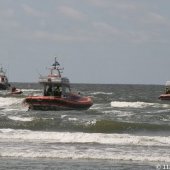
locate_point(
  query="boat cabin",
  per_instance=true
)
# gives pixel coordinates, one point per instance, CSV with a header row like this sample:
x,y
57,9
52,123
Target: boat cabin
x,y
167,87
3,80
54,84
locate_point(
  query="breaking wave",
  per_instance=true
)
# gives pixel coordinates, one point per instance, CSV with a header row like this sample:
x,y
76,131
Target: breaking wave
x,y
39,144
103,93
17,118
7,101
74,125
120,104
81,137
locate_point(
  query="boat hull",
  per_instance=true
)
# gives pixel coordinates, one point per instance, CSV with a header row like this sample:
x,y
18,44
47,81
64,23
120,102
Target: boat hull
x,y
58,103
164,97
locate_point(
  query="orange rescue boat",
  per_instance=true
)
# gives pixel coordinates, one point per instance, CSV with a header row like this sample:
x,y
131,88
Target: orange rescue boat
x,y
57,94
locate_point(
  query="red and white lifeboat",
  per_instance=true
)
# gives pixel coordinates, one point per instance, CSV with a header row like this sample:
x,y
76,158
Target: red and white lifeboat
x,y
57,94
166,95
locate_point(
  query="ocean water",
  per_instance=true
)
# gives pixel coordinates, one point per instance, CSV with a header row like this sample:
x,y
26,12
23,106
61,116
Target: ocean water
x,y
128,127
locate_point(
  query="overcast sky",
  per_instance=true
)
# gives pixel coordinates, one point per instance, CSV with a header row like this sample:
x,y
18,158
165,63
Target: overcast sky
x,y
96,41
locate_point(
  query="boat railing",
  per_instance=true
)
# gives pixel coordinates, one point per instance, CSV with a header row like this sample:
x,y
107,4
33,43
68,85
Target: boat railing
x,y
50,80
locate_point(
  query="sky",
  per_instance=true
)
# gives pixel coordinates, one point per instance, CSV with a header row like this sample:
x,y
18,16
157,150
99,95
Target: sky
x,y
96,41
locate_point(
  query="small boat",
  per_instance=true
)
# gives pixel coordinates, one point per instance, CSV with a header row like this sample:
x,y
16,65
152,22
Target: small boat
x,y
15,91
166,95
57,94
4,85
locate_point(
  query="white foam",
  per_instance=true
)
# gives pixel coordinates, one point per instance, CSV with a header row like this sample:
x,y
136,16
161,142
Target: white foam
x,y
31,90
162,105
100,92
24,119
80,137
98,106
7,101
72,119
74,153
37,144
131,104
118,113
63,116
91,122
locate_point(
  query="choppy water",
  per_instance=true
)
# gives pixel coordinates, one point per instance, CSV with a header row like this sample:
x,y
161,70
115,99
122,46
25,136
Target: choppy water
x,y
128,127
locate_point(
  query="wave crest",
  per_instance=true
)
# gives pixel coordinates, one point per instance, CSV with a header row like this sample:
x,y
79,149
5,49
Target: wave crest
x,y
131,104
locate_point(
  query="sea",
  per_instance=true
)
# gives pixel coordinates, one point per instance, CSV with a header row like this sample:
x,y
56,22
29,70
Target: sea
x,y
127,128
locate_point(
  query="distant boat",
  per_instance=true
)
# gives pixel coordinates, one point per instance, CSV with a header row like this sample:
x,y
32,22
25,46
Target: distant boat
x,y
57,94
15,91
166,94
4,85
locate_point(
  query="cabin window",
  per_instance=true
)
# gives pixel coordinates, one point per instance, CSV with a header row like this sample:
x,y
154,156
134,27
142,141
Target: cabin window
x,y
48,91
57,91
66,90
55,72
167,90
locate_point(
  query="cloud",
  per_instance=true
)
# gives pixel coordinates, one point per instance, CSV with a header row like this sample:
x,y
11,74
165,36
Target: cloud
x,y
45,36
126,6
6,13
114,4
138,26
71,12
104,32
8,20
7,25
99,3
155,18
33,12
105,29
